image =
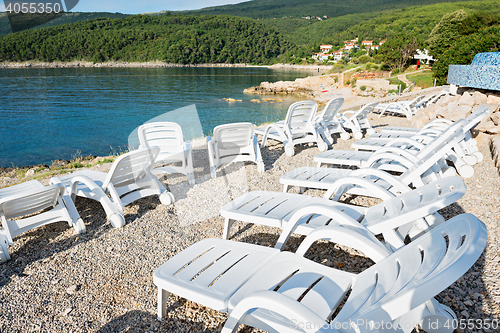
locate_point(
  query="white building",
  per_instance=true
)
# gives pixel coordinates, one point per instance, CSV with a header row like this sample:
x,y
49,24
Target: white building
x,y
423,56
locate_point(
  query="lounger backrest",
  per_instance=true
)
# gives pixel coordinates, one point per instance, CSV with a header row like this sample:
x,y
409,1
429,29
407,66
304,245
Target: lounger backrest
x,y
165,135
415,273
18,205
434,151
475,118
388,215
300,115
331,109
131,167
365,110
234,135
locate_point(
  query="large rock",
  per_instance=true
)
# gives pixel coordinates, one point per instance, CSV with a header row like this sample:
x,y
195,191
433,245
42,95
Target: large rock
x,y
440,112
460,112
495,117
493,99
452,105
479,98
466,99
488,127
443,101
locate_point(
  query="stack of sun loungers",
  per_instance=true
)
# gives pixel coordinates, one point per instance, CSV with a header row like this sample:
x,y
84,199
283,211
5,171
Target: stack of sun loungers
x,y
417,254
410,108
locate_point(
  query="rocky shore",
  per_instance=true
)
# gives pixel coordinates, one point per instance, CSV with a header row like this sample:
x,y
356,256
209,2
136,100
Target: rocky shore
x,y
78,63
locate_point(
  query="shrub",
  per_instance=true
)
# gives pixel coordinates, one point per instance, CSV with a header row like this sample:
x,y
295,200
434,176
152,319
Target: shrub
x,y
348,82
354,80
364,59
362,88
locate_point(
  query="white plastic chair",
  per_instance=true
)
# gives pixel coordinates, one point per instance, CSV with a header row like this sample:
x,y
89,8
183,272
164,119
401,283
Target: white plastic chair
x,y
47,203
233,143
274,291
302,213
128,180
356,121
329,121
168,137
297,128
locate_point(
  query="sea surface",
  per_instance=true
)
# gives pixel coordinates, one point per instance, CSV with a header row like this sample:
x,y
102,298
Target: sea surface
x,y
62,113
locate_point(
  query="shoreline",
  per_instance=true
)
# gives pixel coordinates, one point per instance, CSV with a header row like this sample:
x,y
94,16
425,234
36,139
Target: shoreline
x,y
148,64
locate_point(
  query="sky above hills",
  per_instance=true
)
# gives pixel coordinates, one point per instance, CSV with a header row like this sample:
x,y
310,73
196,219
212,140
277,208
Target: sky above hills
x,y
141,6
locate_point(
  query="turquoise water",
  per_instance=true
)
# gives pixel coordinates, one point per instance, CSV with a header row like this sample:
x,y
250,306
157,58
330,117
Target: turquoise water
x,y
49,114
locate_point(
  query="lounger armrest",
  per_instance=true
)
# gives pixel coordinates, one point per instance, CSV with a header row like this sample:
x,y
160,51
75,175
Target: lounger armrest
x,y
342,185
97,191
409,141
55,181
277,303
348,112
313,209
359,238
385,176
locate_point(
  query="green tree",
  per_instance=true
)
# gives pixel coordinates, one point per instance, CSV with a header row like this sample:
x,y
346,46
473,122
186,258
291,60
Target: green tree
x,y
397,50
463,51
445,33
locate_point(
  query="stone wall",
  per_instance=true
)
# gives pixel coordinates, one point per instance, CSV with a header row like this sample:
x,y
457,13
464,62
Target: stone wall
x,y
460,106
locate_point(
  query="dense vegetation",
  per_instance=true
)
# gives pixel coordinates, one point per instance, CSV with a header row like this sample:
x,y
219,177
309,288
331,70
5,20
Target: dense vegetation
x,y
64,18
299,8
382,25
463,51
171,38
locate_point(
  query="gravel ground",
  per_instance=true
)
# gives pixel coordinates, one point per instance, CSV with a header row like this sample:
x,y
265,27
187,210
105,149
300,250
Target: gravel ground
x,y
102,281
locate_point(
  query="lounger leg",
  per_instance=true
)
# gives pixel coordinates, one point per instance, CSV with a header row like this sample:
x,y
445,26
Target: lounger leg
x,y
4,249
191,178
227,226
162,303
285,188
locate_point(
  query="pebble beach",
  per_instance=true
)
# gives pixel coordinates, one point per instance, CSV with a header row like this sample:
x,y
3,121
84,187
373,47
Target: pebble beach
x,y
101,281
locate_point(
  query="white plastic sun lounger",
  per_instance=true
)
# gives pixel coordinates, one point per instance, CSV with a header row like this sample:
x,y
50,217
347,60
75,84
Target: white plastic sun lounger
x,y
357,121
302,213
282,291
45,204
128,180
298,127
329,121
233,143
168,137
406,108
412,130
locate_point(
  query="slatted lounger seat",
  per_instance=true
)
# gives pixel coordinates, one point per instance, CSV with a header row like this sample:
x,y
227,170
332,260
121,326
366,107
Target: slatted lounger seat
x,y
283,291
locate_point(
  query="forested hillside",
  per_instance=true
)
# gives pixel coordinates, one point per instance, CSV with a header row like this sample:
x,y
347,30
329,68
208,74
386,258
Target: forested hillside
x,y
300,8
71,17
380,25
169,38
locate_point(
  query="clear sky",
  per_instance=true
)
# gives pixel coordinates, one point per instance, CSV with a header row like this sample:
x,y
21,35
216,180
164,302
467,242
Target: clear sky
x,y
141,6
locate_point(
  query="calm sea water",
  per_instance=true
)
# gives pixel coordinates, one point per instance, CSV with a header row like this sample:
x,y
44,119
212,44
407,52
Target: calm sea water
x,y
49,114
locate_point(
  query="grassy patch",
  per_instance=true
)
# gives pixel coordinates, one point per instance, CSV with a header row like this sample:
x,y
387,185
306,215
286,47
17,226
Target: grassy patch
x,y
396,81
422,79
